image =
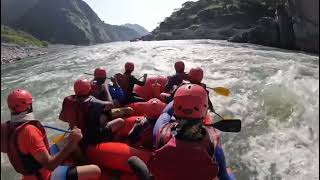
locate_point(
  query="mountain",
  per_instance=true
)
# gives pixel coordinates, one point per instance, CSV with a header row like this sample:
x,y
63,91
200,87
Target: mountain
x,y
139,29
288,24
12,10
62,21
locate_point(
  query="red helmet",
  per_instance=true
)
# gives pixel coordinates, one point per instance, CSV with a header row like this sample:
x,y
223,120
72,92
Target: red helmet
x,y
82,87
155,107
179,67
129,66
100,73
19,100
195,75
191,102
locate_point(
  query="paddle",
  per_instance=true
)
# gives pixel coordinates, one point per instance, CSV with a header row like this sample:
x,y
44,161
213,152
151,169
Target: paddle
x,y
140,168
58,129
228,125
221,90
59,138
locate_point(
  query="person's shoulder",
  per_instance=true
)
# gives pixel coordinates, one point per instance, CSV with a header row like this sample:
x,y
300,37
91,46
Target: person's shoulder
x,y
70,97
29,130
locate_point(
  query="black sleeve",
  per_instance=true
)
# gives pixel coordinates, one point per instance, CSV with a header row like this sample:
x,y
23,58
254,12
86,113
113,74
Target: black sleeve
x,y
169,84
136,81
62,115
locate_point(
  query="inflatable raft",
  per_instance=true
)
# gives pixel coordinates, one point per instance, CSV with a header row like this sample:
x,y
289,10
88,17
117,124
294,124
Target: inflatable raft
x,y
112,157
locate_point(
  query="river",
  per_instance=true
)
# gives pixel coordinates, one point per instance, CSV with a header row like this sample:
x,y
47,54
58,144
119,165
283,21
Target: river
x,y
274,92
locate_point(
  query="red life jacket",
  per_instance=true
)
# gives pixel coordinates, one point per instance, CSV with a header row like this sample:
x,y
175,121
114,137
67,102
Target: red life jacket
x,y
123,81
75,112
98,91
180,159
85,114
24,164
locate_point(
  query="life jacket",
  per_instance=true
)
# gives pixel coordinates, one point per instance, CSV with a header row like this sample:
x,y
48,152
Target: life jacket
x,y
176,79
123,81
75,112
98,91
181,159
85,114
116,93
24,164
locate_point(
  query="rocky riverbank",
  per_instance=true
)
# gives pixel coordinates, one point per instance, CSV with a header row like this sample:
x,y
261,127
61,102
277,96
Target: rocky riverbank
x,y
287,24
14,52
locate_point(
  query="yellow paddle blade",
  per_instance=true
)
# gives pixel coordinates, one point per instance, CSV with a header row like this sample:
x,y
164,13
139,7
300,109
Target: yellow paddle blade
x,y
227,117
57,139
222,91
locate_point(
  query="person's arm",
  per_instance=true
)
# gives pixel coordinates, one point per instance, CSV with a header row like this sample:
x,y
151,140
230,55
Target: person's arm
x,y
209,101
210,105
51,162
219,156
108,95
169,85
140,83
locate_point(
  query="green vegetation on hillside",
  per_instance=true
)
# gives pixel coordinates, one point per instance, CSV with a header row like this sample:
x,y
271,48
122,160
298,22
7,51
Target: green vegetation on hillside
x,y
9,35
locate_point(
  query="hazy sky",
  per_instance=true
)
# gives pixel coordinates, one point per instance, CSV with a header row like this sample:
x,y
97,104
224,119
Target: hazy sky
x,y
147,13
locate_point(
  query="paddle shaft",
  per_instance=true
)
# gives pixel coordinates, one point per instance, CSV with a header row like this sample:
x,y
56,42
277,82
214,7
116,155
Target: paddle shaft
x,y
57,129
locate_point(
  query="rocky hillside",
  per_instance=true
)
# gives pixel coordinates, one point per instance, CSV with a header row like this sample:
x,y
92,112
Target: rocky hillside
x,y
62,21
9,35
139,29
266,22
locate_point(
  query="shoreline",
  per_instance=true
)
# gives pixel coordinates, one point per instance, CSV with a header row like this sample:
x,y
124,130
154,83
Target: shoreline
x,y
14,52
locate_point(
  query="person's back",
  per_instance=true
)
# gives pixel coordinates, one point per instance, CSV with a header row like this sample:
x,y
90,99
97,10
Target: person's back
x,y
176,79
188,146
180,120
127,82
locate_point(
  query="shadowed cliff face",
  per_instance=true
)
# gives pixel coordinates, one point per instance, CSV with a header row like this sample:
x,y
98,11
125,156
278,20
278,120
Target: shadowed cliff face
x,y
245,21
212,19
306,27
62,21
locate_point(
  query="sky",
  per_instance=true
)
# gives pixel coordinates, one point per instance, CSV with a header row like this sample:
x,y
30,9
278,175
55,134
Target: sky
x,y
147,13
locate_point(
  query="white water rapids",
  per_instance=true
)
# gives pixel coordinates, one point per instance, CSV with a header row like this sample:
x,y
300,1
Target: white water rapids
x,y
274,92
